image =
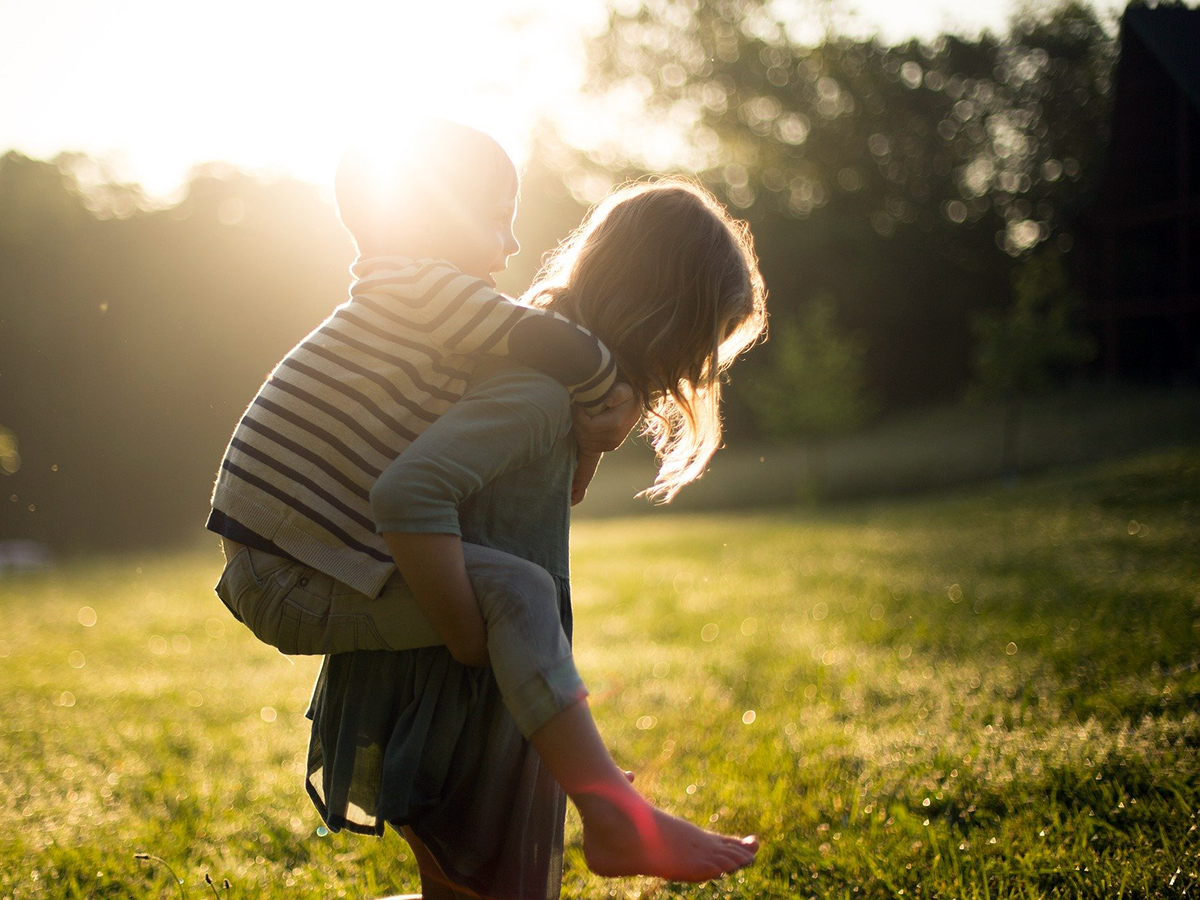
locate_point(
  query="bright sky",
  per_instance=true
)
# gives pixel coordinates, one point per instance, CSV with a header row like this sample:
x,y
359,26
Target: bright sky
x,y
155,87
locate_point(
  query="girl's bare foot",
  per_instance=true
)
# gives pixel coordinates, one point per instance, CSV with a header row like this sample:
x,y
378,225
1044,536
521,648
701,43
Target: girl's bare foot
x,y
624,835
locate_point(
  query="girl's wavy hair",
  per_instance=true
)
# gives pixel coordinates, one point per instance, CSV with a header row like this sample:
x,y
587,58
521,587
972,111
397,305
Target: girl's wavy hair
x,y
663,275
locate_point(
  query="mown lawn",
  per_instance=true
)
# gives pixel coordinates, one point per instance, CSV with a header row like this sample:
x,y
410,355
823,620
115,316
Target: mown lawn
x,y
991,694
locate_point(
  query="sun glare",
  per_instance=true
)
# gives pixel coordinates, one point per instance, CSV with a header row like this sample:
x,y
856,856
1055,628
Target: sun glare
x,y
270,86
278,87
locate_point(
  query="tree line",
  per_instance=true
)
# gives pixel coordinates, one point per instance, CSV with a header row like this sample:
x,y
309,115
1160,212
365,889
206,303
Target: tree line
x,y
893,192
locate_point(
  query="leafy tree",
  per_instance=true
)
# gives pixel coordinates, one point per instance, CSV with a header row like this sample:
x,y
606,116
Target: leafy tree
x,y
998,126
1019,349
813,386
904,180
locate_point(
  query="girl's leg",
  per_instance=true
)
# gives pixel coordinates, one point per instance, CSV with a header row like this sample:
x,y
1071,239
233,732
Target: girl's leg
x,y
434,883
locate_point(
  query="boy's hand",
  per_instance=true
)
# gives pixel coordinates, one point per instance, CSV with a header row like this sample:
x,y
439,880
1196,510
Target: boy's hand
x,y
598,434
607,429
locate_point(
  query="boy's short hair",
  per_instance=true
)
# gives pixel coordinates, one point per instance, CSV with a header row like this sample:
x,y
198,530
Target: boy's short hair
x,y
431,182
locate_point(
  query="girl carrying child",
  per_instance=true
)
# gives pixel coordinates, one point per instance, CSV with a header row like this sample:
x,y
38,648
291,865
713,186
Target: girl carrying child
x,y
669,282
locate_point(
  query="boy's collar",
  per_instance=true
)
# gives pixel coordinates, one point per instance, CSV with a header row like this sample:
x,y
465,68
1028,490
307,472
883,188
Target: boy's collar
x,y
365,265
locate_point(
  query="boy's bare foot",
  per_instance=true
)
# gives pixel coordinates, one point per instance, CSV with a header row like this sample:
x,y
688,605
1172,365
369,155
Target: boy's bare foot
x,y
622,833
625,835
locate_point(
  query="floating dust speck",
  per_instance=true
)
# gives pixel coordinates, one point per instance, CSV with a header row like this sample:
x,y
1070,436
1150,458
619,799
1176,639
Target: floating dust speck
x,y
87,617
158,644
748,717
709,632
194,699
268,714
749,626
76,659
1011,649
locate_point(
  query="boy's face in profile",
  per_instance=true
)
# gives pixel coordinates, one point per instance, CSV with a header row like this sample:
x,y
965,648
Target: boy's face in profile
x,y
486,241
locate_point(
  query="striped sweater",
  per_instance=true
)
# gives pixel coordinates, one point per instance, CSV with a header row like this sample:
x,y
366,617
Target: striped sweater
x,y
351,396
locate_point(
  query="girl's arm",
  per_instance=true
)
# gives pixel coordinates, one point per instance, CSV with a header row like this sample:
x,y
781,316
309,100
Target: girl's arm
x,y
432,567
505,422
459,313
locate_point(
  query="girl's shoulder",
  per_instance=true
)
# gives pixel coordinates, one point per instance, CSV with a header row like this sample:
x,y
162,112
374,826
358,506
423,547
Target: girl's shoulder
x,y
526,390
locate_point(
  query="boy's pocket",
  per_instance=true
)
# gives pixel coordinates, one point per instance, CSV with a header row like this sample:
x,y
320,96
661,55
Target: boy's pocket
x,y
308,627
253,586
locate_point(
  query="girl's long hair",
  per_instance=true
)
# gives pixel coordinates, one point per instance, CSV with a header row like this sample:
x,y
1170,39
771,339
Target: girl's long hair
x,y
663,275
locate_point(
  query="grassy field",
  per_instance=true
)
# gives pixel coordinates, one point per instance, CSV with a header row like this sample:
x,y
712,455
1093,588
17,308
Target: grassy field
x,y
989,694
917,451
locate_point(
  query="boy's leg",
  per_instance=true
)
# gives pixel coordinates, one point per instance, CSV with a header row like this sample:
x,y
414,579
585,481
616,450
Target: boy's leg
x,y
299,610
623,834
254,586
530,654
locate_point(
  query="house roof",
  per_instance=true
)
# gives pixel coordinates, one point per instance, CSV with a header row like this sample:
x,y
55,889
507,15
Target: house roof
x,y
1172,34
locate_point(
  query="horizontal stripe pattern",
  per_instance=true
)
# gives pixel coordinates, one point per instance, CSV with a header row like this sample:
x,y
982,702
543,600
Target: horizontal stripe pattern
x,y
348,400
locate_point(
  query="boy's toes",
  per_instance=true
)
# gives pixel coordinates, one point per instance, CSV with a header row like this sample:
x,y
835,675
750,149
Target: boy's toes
x,y
730,862
742,845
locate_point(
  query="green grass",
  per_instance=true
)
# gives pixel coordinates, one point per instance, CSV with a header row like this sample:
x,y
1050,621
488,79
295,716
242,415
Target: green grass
x,y
918,451
989,694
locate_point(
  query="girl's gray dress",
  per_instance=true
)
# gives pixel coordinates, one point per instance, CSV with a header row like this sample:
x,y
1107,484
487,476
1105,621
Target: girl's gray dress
x,y
413,738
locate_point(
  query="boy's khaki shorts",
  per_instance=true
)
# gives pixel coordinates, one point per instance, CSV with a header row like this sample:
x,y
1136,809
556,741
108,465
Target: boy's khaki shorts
x,y
299,610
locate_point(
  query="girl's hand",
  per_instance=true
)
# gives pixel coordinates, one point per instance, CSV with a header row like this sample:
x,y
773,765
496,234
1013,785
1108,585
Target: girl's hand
x,y
607,429
584,470
598,434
